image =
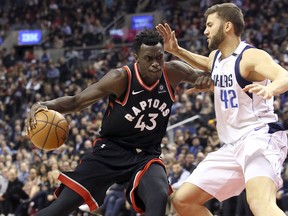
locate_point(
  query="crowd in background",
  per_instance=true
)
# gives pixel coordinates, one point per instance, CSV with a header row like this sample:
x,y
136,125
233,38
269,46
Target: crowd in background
x,y
29,176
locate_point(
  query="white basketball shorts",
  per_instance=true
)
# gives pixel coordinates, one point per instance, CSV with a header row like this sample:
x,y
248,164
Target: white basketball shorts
x,y
223,173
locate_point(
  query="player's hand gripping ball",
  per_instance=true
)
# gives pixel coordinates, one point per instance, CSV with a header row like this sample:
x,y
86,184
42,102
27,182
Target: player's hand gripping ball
x,y
51,130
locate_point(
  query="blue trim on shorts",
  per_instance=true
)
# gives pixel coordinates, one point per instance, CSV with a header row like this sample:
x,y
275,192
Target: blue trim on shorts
x,y
275,126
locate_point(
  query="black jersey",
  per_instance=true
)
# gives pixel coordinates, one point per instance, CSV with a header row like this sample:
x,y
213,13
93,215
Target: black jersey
x,y
140,118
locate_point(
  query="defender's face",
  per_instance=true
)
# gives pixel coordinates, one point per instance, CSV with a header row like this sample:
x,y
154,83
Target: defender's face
x,y
150,61
214,31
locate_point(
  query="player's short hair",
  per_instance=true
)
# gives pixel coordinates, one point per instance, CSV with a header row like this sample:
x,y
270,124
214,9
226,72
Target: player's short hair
x,y
228,12
148,37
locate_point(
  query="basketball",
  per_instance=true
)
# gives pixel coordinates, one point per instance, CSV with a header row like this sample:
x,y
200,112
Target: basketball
x,y
51,130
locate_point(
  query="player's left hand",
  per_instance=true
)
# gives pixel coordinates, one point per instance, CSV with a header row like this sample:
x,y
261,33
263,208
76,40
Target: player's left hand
x,y
169,38
263,91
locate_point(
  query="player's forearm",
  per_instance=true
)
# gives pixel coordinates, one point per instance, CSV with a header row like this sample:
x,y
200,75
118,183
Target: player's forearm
x,y
195,60
65,104
279,86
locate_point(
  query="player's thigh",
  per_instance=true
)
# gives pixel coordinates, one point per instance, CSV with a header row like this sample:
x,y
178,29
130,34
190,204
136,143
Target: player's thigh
x,y
219,174
261,188
154,179
263,155
189,193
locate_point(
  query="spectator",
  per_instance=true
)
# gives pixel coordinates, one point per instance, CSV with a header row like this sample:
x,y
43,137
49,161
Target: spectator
x,y
182,146
114,200
14,193
10,59
196,146
31,186
189,164
52,73
213,140
176,179
3,187
178,175
23,172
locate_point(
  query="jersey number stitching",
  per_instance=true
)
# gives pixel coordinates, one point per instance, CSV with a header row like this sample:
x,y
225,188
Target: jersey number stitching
x,y
142,125
228,95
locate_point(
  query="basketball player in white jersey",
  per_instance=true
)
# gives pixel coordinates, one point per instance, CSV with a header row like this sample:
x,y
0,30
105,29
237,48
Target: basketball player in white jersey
x,y
255,143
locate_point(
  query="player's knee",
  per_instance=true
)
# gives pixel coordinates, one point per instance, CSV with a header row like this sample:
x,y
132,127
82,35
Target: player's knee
x,y
178,202
183,204
256,202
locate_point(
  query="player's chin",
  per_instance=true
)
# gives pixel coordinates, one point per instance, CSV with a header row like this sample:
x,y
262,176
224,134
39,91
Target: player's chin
x,y
155,74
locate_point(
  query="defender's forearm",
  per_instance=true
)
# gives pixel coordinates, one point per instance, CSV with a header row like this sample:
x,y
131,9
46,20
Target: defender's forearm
x,y
195,60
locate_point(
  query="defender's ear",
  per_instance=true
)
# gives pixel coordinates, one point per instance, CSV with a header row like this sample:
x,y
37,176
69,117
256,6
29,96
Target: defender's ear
x,y
228,26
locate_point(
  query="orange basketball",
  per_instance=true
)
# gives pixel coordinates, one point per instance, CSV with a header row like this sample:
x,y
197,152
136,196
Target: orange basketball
x,y
51,130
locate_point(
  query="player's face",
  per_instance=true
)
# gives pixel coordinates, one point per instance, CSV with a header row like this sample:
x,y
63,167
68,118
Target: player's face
x,y
214,31
150,60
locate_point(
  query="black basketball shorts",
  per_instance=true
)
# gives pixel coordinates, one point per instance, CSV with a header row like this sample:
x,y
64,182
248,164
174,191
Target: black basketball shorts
x,y
109,163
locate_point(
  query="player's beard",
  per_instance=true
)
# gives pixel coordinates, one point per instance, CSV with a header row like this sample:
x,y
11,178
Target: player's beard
x,y
217,39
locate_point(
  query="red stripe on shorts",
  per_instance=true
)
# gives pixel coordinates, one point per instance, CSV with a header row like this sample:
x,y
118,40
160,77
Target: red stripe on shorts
x,y
82,191
137,180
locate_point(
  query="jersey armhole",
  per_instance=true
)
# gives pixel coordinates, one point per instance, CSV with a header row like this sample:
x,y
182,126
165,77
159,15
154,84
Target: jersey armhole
x,y
241,81
214,60
169,87
124,97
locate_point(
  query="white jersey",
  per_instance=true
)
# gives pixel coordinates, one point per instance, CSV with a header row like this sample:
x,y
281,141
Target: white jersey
x,y
237,112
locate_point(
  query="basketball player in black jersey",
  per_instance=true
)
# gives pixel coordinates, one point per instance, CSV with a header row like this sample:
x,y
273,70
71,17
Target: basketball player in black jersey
x,y
128,147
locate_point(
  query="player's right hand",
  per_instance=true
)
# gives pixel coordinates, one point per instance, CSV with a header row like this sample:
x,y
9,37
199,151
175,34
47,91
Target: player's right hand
x,y
170,40
30,121
202,84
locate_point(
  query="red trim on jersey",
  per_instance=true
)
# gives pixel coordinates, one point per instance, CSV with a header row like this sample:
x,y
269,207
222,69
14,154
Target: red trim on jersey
x,y
149,88
137,180
57,191
110,105
82,191
168,84
95,141
129,86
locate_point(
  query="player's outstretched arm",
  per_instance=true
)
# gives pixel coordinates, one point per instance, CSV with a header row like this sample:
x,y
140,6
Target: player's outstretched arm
x,y
171,45
114,82
258,65
179,71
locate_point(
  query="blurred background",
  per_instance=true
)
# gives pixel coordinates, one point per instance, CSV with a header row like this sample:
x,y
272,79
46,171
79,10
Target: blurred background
x,y
51,48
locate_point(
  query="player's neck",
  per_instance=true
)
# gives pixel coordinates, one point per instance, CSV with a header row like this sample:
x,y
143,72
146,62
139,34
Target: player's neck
x,y
228,46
